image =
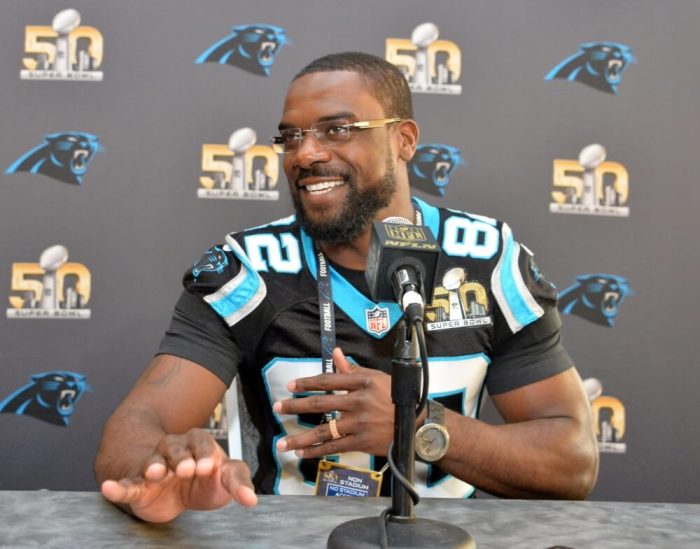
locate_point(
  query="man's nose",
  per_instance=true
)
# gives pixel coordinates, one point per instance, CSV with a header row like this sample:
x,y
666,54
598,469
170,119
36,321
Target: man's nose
x,y
310,151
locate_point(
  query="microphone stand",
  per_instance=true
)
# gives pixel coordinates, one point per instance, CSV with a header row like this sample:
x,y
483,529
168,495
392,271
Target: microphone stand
x,y
398,526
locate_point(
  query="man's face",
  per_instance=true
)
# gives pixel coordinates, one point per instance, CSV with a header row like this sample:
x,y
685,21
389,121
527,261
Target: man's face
x,y
338,191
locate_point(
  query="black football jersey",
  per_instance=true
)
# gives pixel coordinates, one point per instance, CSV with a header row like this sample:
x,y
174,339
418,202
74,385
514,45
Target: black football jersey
x,y
492,321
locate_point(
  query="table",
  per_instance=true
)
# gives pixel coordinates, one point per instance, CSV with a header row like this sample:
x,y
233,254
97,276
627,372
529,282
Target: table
x,y
85,519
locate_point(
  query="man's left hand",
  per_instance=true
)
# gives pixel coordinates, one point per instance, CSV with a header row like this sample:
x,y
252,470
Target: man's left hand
x,y
367,412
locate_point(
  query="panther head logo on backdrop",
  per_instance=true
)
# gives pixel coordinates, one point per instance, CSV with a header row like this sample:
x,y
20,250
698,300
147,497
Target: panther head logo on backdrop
x,y
50,397
63,156
431,167
596,64
595,297
253,48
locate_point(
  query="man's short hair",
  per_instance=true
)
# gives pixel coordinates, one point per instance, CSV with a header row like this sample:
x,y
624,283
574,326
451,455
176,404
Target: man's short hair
x,y
389,85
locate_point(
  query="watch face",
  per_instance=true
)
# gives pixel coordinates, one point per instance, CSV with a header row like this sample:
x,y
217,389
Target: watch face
x,y
431,442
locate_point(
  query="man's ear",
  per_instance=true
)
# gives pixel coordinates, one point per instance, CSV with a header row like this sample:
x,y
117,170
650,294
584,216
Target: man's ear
x,y
409,134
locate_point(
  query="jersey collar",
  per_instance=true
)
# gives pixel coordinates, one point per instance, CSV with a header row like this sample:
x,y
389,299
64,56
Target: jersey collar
x,y
349,299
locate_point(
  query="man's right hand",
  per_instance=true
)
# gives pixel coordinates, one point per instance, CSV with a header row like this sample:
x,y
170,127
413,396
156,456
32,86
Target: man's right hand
x,y
189,471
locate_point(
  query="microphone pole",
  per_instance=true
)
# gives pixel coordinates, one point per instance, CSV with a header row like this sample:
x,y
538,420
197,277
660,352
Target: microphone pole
x,y
405,394
402,272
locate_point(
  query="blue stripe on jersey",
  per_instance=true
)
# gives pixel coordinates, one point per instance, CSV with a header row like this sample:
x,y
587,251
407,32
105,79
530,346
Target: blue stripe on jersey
x,y
353,302
431,216
517,302
277,223
243,292
234,301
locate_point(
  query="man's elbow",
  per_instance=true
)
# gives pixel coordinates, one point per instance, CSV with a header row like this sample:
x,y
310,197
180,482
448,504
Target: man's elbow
x,y
583,471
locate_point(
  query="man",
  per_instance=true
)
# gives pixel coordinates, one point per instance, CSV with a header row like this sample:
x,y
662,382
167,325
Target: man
x,y
251,307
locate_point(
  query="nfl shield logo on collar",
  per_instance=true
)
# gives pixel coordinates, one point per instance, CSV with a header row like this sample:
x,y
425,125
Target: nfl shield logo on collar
x,y
377,320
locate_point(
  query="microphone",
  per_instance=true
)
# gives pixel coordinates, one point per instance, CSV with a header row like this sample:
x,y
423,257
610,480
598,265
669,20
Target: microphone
x,y
402,264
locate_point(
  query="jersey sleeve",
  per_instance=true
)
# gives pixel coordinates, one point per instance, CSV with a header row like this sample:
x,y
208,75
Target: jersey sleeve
x,y
221,288
198,334
226,280
528,345
520,289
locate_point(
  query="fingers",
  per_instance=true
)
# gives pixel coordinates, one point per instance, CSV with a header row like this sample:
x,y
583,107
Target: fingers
x,y
342,365
312,404
366,406
315,436
330,382
319,441
328,448
235,478
156,468
193,454
114,491
356,385
123,491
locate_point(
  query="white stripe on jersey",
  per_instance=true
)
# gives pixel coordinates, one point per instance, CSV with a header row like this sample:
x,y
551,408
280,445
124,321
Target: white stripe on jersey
x,y
234,308
517,304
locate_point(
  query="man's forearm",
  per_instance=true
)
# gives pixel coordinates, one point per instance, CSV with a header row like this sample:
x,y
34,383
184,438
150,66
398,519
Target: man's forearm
x,y
129,438
547,458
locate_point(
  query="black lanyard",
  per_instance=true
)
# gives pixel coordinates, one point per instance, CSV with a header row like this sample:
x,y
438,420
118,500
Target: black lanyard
x,y
327,314
326,319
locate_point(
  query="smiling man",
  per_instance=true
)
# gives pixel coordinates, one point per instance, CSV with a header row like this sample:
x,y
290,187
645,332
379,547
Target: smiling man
x,y
252,309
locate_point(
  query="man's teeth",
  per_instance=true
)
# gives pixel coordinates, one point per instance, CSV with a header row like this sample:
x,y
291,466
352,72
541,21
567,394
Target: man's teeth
x,y
323,186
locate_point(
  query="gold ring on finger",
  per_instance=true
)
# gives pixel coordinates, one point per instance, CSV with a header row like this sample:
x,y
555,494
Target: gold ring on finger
x,y
333,426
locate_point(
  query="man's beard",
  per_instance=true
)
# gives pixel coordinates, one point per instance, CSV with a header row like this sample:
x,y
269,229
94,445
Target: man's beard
x,y
358,210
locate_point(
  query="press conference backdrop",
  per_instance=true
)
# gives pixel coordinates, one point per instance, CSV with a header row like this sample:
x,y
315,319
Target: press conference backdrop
x,y
135,135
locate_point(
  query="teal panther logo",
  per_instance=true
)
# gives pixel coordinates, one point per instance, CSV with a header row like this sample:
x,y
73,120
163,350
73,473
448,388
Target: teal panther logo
x,y
596,64
253,48
63,156
431,167
50,397
595,297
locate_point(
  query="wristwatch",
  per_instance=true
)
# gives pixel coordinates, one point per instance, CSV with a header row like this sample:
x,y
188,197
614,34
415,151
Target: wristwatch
x,y
432,438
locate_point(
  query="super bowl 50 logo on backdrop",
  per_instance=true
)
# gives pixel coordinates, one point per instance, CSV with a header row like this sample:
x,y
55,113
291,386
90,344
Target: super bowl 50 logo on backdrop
x,y
430,65
590,185
608,418
253,48
240,170
63,51
51,288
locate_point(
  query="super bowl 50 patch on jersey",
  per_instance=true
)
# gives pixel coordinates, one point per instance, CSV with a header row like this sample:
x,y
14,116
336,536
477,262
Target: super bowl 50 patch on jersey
x,y
457,302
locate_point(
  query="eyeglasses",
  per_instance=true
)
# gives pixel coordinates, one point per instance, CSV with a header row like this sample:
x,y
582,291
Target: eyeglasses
x,y
327,134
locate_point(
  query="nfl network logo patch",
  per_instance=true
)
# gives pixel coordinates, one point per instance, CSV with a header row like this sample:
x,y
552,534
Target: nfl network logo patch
x,y
377,320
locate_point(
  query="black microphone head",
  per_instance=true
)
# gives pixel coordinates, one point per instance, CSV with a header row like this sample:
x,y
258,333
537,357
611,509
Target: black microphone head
x,y
395,244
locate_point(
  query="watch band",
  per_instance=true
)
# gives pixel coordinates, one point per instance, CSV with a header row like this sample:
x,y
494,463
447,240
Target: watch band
x,y
436,413
432,438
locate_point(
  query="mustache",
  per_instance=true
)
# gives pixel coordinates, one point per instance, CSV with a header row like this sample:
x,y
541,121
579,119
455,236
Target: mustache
x,y
319,171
